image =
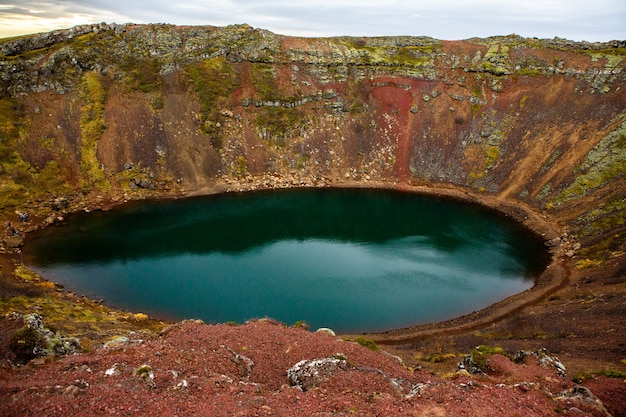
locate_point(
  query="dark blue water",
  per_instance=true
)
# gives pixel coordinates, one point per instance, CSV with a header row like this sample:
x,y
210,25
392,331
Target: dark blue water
x,y
352,260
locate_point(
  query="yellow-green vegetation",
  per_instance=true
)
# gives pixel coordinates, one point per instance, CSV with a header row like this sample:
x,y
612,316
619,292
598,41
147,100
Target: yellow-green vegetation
x,y
580,377
366,342
611,245
604,163
19,181
94,93
265,82
587,263
492,155
481,354
214,80
143,74
522,101
277,124
51,179
83,319
607,217
437,357
301,324
496,60
144,371
128,176
478,94
14,172
613,56
361,52
532,67
242,166
26,343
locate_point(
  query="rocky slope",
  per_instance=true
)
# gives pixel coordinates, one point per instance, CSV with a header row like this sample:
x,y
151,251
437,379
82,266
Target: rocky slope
x,y
97,115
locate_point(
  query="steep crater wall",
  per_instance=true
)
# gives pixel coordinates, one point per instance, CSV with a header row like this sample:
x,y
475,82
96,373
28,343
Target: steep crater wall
x,y
112,112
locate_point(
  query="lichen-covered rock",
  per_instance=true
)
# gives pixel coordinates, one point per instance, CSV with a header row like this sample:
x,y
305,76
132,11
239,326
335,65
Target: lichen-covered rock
x,y
545,359
308,374
584,399
34,340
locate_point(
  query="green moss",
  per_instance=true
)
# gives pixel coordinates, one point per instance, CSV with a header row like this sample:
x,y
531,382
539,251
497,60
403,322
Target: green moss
x,y
522,101
26,343
15,174
481,354
94,93
50,179
143,74
265,83
603,164
277,124
496,60
242,166
10,122
301,324
214,80
605,248
608,216
611,374
367,343
491,156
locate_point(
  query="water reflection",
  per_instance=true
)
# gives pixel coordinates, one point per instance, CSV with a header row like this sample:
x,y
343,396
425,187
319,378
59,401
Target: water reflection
x,y
355,260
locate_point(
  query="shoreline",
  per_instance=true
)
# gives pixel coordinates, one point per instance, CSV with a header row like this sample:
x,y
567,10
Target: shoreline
x,y
553,278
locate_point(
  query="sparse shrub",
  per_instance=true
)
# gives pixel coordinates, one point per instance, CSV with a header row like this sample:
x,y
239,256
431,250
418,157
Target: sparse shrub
x,y
367,343
588,263
301,324
145,372
27,343
478,360
580,377
611,374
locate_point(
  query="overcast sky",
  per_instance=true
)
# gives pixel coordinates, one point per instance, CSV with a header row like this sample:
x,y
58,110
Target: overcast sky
x,y
597,20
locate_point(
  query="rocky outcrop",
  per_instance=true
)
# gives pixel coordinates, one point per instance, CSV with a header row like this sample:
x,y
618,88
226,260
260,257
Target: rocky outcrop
x,y
33,340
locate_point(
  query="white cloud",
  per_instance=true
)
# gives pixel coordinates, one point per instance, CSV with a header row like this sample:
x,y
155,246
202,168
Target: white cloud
x,y
445,19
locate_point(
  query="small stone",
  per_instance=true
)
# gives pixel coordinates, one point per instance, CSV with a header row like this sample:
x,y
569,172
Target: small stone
x,y
71,391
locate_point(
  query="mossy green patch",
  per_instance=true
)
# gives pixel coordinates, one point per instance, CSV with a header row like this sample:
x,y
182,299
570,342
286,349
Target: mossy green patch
x,y
603,164
492,155
93,91
214,80
143,74
278,124
15,174
264,82
241,168
366,342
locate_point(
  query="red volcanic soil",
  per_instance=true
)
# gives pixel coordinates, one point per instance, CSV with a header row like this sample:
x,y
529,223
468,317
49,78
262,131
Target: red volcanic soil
x,y
193,369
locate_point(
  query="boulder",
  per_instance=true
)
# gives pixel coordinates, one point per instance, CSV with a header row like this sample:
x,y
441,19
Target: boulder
x,y
308,374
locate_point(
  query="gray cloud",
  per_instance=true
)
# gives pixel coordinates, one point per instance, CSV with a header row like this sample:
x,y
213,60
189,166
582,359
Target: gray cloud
x,y
445,19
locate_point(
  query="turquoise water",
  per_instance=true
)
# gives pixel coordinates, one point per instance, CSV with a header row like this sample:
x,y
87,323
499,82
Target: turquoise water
x,y
352,260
